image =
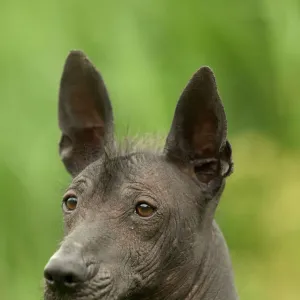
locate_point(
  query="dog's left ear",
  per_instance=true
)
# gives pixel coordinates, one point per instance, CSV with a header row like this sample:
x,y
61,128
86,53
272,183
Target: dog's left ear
x,y
198,134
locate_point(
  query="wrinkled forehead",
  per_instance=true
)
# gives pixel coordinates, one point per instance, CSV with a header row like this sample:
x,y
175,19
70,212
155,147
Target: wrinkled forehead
x,y
144,172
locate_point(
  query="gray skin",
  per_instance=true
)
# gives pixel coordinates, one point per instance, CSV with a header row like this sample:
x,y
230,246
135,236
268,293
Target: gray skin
x,y
174,248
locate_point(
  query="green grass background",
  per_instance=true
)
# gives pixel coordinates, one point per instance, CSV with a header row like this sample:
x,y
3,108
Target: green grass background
x,y
147,51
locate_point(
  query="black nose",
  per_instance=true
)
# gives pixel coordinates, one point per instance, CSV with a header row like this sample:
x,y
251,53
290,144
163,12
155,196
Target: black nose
x,y
65,271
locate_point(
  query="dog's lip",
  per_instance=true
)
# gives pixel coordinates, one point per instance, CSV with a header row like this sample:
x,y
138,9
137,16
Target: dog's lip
x,y
92,269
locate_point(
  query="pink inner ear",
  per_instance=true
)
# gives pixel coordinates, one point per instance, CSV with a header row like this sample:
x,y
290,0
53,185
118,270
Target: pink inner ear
x,y
89,136
204,139
83,108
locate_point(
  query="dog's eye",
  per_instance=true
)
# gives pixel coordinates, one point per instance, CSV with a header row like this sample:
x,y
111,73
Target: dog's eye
x,y
144,210
70,202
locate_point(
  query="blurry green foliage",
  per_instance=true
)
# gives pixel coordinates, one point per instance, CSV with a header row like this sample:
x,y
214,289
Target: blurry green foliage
x,y
147,51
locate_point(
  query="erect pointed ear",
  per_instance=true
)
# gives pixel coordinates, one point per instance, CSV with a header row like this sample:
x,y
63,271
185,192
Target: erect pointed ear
x,y
85,113
199,129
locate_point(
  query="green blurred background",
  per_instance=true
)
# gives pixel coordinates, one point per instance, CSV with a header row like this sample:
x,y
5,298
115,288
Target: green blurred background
x,y
147,51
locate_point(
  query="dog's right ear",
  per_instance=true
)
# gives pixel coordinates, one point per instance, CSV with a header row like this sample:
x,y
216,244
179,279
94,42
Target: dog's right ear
x,y
85,114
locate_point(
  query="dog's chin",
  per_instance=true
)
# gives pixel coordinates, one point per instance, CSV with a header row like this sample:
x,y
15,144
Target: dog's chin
x,y
52,295
92,291
80,294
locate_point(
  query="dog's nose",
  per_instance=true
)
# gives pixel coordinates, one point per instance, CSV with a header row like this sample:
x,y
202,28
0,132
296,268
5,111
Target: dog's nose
x,y
65,271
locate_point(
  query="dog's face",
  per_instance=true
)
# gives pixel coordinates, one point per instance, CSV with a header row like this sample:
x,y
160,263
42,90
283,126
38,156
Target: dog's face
x,y
135,223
